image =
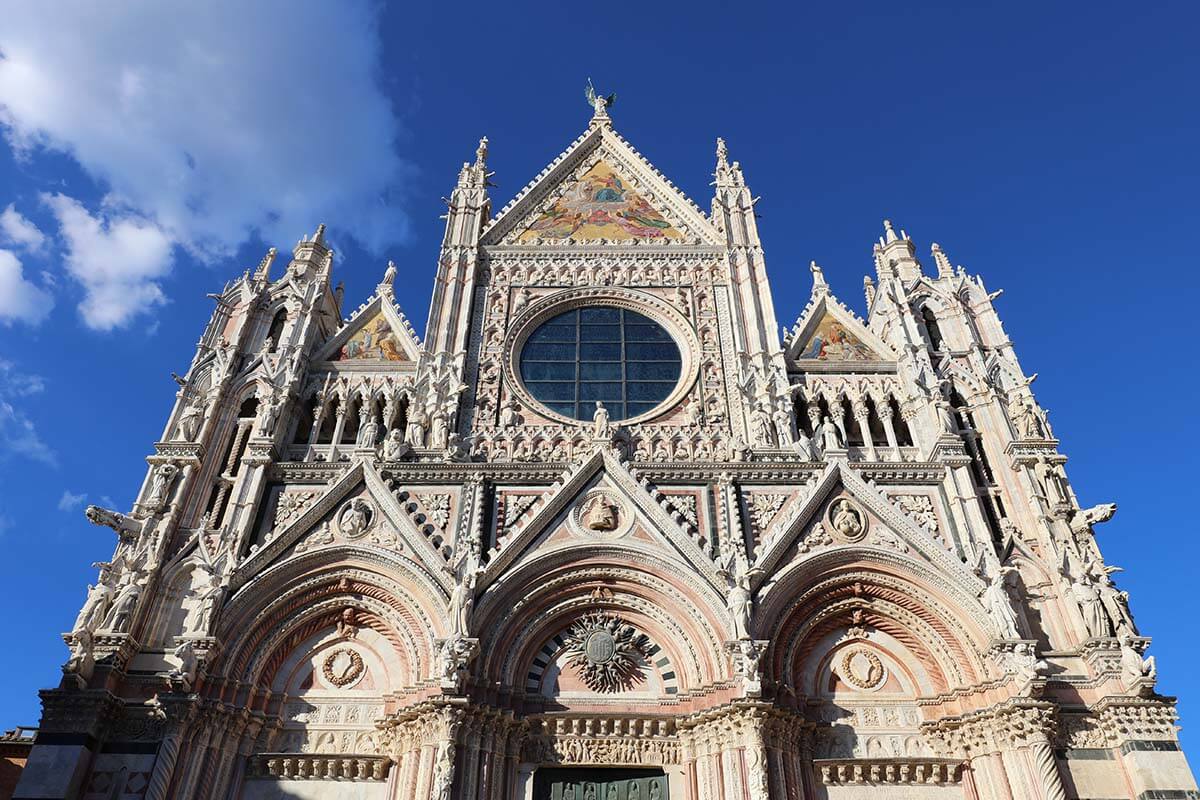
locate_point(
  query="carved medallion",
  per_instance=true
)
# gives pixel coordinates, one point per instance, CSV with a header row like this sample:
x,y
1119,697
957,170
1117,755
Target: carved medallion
x,y
607,651
601,513
356,518
861,669
847,521
343,667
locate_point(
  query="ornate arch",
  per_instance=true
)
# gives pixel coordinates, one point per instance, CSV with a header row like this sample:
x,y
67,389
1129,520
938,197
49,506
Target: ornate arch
x,y
287,604
942,625
679,612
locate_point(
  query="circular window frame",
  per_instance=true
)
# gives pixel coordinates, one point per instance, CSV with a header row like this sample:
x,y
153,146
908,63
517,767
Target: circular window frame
x,y
657,310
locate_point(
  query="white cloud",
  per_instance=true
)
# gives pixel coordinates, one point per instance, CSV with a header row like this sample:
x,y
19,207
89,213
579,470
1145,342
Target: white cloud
x,y
18,436
117,256
19,232
70,502
20,299
209,121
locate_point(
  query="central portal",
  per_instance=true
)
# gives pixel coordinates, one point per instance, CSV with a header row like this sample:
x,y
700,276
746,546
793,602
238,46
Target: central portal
x,y
599,783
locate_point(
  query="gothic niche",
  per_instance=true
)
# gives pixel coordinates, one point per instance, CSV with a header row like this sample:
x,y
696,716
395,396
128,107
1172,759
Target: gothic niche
x,y
608,653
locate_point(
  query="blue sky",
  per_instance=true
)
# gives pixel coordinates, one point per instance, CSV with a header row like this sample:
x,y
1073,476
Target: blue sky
x,y
149,155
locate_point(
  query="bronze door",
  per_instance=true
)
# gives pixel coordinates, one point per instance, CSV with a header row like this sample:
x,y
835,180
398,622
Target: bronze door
x,y
599,783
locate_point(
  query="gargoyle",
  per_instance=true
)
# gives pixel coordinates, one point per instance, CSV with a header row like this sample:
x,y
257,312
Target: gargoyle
x,y
128,529
1087,517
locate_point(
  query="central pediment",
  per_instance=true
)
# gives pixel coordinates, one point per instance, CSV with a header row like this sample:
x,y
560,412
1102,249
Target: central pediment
x,y
600,205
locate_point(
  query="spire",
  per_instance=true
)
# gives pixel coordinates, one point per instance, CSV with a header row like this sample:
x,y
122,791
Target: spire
x,y
319,236
311,256
898,253
889,233
942,261
263,273
819,284
727,175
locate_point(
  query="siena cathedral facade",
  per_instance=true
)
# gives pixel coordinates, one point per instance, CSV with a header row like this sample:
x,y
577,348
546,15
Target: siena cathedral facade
x,y
604,534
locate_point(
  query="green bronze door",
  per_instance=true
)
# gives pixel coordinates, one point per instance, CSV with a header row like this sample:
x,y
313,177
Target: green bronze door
x,y
599,783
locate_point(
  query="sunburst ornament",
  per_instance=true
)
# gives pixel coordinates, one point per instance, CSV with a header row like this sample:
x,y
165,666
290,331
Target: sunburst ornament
x,y
608,652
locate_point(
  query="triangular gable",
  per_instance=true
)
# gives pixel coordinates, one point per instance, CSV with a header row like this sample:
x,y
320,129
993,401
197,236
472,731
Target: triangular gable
x,y
600,188
827,333
600,205
414,544
661,522
911,535
377,333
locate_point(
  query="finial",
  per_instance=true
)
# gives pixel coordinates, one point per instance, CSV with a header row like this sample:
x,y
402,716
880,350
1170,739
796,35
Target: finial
x,y
722,154
818,276
338,292
889,233
945,270
319,236
869,289
264,267
481,152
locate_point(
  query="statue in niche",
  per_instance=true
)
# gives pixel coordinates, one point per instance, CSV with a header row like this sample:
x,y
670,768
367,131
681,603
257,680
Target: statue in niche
x,y
367,434
763,426
160,484
439,432
268,414
189,421
120,615
462,599
998,602
201,611
1025,418
847,520
601,514
601,428
509,416
739,600
831,437
418,421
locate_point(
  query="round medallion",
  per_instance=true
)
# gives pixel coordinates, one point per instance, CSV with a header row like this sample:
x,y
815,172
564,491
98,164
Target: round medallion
x,y
846,520
608,652
861,669
601,513
343,667
600,647
356,518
